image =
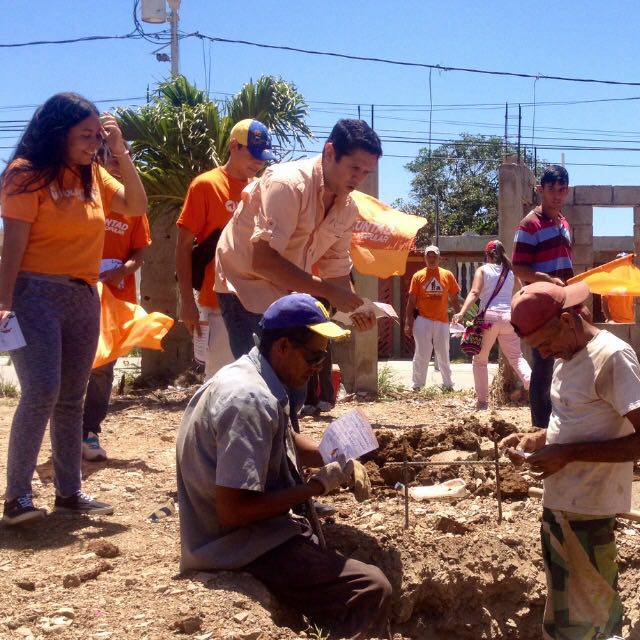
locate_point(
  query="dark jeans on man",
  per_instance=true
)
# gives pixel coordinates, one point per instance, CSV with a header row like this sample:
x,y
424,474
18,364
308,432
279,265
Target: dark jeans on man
x,y
96,402
348,597
321,381
240,323
540,389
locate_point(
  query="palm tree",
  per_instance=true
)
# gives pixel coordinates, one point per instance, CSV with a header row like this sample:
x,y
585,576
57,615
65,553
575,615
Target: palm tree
x,y
178,135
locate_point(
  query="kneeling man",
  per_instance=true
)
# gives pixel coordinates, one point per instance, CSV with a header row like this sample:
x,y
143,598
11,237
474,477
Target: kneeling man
x,y
238,478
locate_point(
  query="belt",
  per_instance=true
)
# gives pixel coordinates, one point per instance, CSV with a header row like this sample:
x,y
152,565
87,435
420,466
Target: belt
x,y
47,277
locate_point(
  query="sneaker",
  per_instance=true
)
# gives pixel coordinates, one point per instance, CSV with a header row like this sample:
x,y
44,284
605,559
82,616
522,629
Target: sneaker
x,y
21,510
324,406
416,388
82,503
446,388
309,410
91,449
482,406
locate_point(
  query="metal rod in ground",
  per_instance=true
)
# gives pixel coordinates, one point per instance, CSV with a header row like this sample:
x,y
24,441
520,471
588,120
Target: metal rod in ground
x,y
405,479
498,491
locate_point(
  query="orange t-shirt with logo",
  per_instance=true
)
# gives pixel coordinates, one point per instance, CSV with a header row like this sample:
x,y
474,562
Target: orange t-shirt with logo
x,y
67,233
432,287
211,200
123,235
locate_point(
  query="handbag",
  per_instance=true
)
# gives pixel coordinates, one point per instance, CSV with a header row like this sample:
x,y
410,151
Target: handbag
x,y
471,341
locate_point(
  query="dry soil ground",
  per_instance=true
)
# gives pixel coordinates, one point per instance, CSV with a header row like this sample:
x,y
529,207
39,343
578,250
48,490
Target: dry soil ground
x,y
456,572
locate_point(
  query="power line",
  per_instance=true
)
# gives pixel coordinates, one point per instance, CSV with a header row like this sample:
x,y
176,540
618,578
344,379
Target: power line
x,y
162,36
406,63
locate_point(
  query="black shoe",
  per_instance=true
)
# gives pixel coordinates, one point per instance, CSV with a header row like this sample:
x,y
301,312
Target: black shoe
x,y
82,503
21,510
324,510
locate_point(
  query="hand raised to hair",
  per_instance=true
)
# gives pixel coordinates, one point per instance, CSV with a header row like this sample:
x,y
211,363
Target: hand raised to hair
x,y
112,134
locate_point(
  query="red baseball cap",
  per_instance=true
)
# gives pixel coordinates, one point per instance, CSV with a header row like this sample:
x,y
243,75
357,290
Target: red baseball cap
x,y
535,304
491,245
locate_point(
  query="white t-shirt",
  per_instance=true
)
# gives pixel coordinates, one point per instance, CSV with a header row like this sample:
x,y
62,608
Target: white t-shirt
x,y
590,395
490,275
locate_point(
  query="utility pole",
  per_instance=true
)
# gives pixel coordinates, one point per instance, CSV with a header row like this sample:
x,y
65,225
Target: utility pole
x,y
175,52
155,12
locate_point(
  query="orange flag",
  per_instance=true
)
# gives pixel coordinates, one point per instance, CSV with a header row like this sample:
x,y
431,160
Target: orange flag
x,y
124,325
620,277
382,237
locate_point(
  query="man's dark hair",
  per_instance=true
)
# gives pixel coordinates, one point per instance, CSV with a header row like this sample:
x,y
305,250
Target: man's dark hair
x,y
300,335
554,174
349,135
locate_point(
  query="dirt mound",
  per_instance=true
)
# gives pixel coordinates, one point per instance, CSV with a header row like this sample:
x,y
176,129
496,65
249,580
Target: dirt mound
x,y
456,573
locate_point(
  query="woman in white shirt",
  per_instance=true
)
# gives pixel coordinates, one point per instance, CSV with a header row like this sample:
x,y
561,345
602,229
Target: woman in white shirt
x,y
498,315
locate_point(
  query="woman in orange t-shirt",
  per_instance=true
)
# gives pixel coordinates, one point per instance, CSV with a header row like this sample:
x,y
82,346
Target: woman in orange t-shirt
x,y
53,196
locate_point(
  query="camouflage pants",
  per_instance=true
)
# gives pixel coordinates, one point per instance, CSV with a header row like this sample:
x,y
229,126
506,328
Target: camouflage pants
x,y
579,553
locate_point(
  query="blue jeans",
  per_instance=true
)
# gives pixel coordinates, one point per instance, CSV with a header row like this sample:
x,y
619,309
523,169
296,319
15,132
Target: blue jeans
x,y
96,402
240,323
540,389
61,324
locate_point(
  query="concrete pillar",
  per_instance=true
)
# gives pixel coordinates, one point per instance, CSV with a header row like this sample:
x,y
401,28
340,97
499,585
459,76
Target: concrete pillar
x,y
358,357
515,196
396,301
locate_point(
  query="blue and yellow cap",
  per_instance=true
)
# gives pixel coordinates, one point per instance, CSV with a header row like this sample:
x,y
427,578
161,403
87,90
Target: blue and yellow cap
x,y
256,137
302,310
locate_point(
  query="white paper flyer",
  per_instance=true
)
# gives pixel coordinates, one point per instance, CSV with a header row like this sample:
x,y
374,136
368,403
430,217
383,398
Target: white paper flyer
x,y
10,334
348,437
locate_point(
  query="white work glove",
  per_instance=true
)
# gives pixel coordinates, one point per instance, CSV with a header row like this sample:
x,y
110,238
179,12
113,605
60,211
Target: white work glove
x,y
332,476
359,480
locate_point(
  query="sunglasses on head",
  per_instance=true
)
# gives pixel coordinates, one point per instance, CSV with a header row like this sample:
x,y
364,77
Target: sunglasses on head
x,y
311,357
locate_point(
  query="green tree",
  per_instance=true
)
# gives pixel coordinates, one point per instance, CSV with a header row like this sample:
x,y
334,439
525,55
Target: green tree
x,y
178,135
460,181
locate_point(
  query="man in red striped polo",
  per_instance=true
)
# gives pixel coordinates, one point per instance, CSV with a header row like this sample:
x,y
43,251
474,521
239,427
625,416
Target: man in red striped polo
x,y
542,253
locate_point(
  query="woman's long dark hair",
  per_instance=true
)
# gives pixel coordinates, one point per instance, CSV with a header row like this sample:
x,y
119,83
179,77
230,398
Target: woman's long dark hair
x,y
498,253
44,142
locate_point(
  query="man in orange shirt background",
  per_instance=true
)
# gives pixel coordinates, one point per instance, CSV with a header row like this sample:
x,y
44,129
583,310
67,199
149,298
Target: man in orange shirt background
x,y
211,200
432,290
125,243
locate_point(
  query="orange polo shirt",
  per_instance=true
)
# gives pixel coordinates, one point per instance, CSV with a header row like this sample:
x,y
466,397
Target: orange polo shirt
x,y
211,200
123,235
67,233
432,287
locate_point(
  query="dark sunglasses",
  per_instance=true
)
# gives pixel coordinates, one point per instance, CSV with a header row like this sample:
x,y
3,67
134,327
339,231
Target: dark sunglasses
x,y
313,358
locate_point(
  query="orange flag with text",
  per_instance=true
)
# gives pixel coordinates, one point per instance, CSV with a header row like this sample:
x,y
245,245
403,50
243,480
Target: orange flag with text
x,y
124,325
620,277
382,237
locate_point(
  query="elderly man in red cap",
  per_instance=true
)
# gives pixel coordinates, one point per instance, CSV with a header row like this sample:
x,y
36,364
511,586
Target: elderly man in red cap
x,y
585,456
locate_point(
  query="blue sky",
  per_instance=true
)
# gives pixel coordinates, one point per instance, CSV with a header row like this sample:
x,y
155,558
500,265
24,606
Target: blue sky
x,y
583,39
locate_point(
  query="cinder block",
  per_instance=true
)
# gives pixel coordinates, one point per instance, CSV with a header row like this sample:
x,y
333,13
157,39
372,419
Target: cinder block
x,y
578,214
582,254
636,215
570,197
626,196
593,194
582,234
